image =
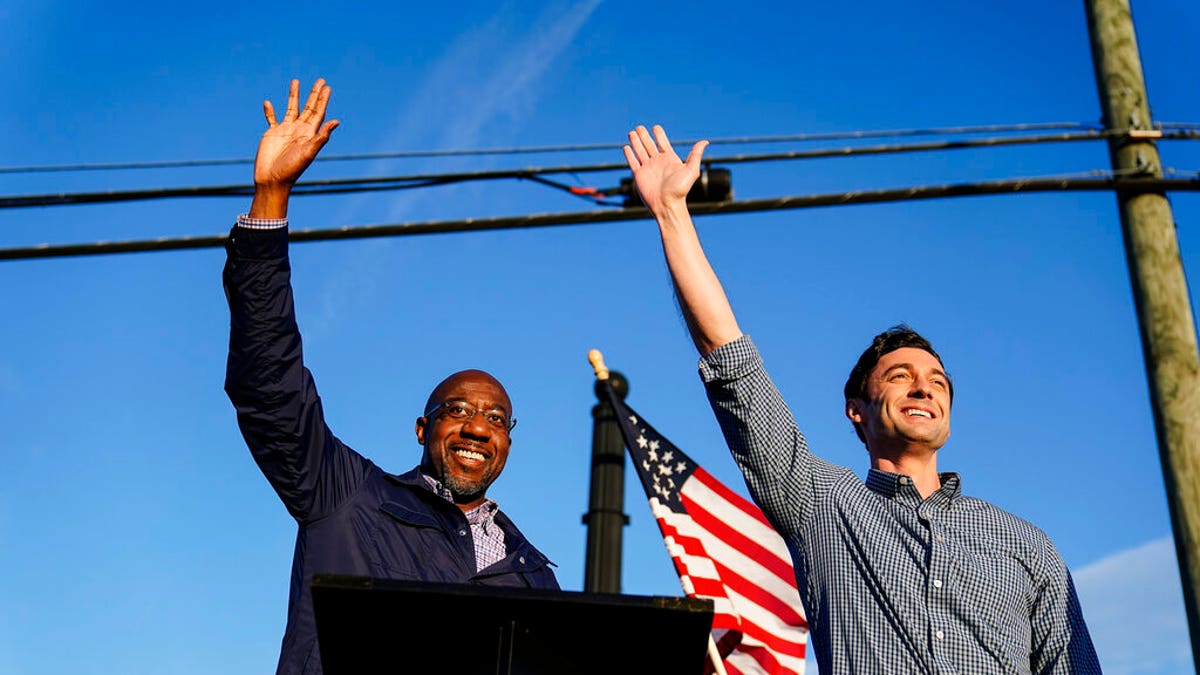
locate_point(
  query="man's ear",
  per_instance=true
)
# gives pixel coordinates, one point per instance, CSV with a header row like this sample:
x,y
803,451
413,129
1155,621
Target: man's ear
x,y
854,410
420,429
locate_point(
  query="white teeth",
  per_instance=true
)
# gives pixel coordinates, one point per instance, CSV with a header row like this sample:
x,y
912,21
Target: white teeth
x,y
470,454
913,412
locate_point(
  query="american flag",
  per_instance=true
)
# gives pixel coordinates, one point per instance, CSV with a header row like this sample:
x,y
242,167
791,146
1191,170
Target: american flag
x,y
724,549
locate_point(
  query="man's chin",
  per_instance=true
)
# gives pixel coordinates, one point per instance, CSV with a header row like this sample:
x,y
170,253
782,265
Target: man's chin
x,y
464,490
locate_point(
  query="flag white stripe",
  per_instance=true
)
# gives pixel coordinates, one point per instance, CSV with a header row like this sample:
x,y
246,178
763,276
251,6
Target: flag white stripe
x,y
701,567
737,519
759,572
733,558
698,566
756,613
748,664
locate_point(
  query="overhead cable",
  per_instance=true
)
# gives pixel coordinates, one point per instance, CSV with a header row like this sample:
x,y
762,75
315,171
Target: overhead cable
x,y
348,185
1012,186
546,149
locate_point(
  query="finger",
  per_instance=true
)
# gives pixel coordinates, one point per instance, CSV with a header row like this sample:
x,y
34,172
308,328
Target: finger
x,y
269,113
293,101
634,163
326,129
660,135
693,158
323,103
321,137
639,150
651,148
311,103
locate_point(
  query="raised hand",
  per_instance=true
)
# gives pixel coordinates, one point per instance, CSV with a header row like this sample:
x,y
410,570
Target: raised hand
x,y
288,147
662,179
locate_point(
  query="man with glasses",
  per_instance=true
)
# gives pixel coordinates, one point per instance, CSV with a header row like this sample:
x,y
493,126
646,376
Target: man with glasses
x,y
433,523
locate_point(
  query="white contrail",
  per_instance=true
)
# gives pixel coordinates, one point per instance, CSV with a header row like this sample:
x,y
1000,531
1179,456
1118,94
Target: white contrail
x,y
491,73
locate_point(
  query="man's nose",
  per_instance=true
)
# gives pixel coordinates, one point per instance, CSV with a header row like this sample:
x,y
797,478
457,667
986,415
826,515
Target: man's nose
x,y
921,388
476,425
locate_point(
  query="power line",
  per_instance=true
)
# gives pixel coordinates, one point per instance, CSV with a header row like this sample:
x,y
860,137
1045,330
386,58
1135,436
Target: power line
x,y
351,185
546,149
1060,184
1193,128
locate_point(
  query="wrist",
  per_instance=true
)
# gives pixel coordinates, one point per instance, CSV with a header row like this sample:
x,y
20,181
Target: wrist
x,y
671,212
270,201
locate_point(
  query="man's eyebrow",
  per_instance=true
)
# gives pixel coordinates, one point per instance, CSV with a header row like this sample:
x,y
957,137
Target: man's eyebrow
x,y
909,366
494,406
898,366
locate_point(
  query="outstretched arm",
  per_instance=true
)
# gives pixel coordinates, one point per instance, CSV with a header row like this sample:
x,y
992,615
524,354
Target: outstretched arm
x,y
663,181
784,478
278,409
287,148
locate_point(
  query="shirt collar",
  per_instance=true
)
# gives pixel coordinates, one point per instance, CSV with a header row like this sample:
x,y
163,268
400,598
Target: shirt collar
x,y
480,515
895,485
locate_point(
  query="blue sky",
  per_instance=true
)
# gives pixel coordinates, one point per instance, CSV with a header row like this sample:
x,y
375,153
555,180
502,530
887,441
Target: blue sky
x,y
140,537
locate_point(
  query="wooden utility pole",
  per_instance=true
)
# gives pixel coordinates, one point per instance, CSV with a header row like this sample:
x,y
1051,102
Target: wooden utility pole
x,y
1160,292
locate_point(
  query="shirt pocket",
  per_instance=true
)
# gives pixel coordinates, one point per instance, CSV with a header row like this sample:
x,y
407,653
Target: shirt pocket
x,y
997,591
410,544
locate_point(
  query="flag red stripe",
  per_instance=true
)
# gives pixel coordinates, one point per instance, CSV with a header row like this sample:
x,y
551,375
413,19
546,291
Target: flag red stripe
x,y
712,522
728,577
712,588
765,659
735,556
787,614
773,640
730,496
695,546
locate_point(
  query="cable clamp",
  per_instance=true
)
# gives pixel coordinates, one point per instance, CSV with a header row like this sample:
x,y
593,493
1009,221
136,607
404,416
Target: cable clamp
x,y
1143,134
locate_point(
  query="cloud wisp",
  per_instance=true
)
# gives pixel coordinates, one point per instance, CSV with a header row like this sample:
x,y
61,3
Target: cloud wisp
x,y
485,83
477,93
1133,603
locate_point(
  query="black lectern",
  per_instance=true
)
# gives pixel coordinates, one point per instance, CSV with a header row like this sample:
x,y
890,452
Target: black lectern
x,y
384,626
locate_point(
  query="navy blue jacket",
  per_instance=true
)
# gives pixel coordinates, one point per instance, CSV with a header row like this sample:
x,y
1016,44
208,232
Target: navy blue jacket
x,y
352,516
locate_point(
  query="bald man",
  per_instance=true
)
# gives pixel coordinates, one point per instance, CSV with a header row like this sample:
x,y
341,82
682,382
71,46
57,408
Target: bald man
x,y
433,523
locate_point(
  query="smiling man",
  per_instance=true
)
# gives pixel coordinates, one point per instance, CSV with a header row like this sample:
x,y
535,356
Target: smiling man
x,y
902,572
433,523
468,455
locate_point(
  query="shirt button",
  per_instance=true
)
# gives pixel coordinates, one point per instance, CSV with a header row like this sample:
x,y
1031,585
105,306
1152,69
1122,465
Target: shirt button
x,y
939,635
941,538
937,583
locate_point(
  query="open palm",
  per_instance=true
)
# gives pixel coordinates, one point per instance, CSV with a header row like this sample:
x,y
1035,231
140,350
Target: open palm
x,y
288,147
661,177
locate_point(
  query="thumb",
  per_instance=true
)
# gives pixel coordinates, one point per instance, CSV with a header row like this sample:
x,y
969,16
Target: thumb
x,y
697,151
326,129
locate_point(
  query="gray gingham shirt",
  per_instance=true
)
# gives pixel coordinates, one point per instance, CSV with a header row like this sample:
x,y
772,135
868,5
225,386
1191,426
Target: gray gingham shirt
x,y
892,583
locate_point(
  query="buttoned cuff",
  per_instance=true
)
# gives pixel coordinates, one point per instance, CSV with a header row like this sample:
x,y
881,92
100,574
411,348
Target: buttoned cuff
x,y
244,220
730,361
249,239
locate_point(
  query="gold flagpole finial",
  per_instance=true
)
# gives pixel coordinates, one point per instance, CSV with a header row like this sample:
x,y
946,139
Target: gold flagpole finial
x,y
597,362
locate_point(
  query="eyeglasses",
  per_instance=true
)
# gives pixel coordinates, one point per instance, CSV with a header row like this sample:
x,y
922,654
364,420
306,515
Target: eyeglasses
x,y
461,410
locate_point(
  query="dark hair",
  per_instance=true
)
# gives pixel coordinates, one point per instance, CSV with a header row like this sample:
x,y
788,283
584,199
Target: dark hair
x,y
896,337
